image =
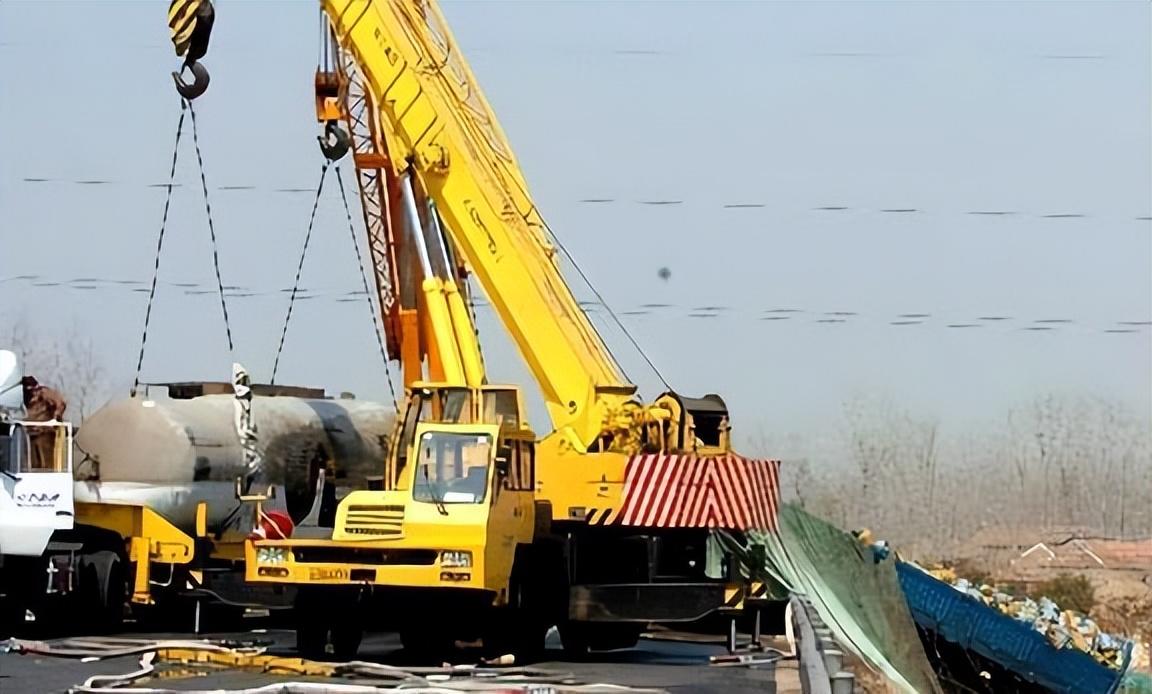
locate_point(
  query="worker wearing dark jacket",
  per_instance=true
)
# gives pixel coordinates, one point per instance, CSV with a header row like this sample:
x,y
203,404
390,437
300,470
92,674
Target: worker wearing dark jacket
x,y
42,404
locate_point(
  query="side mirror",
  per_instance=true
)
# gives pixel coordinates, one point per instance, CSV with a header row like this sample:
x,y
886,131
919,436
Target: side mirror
x,y
503,456
256,496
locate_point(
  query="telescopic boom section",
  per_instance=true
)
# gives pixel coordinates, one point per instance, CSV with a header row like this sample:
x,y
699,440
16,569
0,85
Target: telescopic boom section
x,y
425,91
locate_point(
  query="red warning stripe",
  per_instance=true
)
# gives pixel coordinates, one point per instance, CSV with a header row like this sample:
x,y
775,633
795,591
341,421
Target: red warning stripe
x,y
689,491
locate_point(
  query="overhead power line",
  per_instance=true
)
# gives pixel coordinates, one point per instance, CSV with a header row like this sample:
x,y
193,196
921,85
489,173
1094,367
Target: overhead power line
x,y
747,206
907,320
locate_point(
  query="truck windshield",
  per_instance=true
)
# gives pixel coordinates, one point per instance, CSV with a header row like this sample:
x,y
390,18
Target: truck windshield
x,y
452,468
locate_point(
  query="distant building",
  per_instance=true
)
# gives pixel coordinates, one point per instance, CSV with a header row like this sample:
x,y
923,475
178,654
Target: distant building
x,y
1067,549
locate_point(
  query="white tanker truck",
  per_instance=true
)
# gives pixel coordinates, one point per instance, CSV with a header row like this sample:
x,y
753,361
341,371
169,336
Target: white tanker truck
x,y
156,492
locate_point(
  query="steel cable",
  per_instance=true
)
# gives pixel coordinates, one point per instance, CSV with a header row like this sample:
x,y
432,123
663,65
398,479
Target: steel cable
x,y
378,329
159,249
299,271
556,240
211,229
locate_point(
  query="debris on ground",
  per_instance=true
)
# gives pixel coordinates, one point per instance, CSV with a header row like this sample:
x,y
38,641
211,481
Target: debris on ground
x,y
1063,628
174,659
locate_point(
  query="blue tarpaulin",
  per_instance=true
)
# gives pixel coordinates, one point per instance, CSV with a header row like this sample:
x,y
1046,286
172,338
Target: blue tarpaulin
x,y
1015,646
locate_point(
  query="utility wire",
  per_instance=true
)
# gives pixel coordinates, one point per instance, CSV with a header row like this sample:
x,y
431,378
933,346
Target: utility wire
x,y
734,206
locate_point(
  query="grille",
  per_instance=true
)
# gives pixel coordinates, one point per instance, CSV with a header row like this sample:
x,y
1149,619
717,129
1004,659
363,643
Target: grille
x,y
375,520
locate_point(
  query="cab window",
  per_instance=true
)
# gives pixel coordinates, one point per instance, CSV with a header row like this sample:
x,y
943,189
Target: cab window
x,y
521,468
8,455
452,468
419,410
31,448
454,405
502,407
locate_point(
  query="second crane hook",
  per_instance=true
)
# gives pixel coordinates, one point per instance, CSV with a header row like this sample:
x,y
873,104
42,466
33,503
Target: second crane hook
x,y
335,141
199,84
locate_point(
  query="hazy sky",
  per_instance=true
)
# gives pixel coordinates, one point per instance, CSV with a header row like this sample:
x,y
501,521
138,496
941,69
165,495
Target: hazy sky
x,y
746,117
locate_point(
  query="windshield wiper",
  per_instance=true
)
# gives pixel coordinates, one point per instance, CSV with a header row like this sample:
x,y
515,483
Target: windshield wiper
x,y
432,491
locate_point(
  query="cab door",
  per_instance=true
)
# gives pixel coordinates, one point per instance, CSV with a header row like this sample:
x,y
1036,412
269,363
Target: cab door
x,y
511,516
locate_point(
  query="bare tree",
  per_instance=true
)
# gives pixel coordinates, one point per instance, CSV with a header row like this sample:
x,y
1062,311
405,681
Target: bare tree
x,y
66,362
1066,462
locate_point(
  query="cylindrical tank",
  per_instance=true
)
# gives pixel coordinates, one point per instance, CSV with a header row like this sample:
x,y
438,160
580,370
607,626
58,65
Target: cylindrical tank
x,y
171,454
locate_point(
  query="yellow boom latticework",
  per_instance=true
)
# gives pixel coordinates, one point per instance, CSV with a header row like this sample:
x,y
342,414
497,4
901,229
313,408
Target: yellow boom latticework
x,y
438,122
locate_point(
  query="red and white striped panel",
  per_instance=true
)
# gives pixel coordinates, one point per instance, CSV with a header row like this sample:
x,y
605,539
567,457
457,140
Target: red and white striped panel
x,y
689,491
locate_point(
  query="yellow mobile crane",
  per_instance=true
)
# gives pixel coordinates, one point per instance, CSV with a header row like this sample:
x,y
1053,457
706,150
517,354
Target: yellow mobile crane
x,y
625,492
454,510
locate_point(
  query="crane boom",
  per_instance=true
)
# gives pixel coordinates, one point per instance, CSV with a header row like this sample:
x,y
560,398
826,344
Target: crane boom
x,y
446,132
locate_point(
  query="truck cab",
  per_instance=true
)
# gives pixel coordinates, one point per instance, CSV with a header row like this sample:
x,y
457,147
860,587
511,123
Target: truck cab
x,y
35,484
35,471
438,536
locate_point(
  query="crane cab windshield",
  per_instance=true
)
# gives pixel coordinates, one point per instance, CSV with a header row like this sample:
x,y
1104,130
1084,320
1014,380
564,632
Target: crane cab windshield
x,y
452,467
450,434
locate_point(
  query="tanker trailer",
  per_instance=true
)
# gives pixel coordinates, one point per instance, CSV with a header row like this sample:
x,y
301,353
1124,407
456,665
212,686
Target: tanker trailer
x,y
171,454
156,481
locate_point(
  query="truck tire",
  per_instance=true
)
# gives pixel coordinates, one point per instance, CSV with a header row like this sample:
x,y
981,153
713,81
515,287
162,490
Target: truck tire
x,y
346,638
311,624
347,630
102,592
521,628
11,618
328,616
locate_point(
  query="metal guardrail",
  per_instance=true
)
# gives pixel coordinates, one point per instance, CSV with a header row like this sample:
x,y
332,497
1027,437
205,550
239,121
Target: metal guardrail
x,y
821,661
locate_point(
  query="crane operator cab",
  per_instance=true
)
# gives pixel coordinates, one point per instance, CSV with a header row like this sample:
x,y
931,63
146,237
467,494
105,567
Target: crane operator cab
x,y
439,537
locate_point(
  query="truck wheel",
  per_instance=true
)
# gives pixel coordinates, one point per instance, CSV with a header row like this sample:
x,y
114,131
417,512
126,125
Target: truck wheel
x,y
327,615
11,618
521,628
534,604
348,630
311,638
346,638
311,625
103,589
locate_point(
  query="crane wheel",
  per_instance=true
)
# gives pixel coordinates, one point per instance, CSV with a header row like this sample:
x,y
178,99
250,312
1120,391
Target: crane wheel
x,y
328,617
346,636
521,628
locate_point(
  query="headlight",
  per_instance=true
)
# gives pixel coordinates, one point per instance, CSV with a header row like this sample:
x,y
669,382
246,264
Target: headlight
x,y
271,555
456,559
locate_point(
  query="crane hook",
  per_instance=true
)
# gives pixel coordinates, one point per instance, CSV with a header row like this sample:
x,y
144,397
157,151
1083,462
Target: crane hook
x,y
190,23
199,83
335,141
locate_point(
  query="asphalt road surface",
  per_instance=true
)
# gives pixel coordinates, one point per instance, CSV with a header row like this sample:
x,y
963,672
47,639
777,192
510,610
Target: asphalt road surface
x,y
674,666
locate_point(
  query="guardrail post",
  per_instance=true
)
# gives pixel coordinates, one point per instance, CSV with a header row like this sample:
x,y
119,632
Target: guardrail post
x,y
843,683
